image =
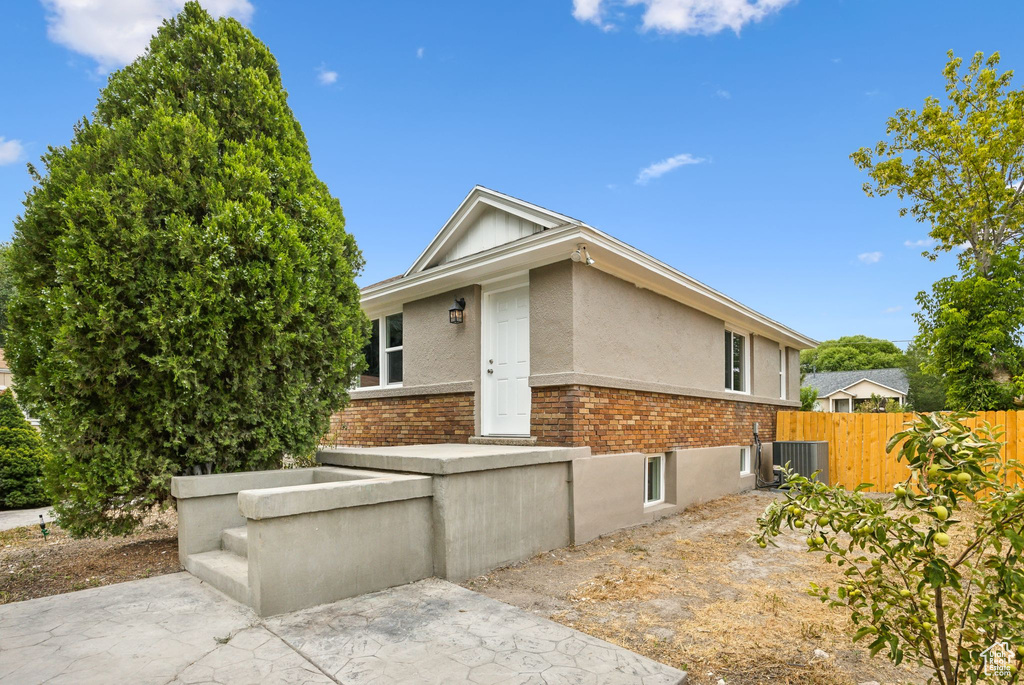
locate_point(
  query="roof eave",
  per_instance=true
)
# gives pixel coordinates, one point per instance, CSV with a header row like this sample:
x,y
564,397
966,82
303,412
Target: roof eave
x,y
611,255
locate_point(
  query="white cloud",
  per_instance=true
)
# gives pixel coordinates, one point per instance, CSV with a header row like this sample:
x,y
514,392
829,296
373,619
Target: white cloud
x,y
666,165
874,92
419,53
589,11
723,93
705,17
893,310
923,242
870,257
114,32
10,151
326,76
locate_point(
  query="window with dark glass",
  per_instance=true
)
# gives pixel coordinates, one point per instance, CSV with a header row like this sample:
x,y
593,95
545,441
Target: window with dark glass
x,y
393,347
371,376
654,480
735,362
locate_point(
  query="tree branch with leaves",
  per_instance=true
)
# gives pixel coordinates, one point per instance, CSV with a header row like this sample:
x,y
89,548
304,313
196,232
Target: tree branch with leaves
x,y
959,164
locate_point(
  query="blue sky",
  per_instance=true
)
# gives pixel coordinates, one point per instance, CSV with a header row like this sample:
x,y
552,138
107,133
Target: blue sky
x,y
745,136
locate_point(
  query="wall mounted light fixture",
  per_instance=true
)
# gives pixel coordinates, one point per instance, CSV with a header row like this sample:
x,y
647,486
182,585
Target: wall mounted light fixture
x,y
457,313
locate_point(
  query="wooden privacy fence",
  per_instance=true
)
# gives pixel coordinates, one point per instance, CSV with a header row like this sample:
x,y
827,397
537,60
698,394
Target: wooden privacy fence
x,y
856,442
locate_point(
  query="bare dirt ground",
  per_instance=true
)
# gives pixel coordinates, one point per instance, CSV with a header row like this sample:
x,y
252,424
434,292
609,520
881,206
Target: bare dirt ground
x,y
31,567
690,591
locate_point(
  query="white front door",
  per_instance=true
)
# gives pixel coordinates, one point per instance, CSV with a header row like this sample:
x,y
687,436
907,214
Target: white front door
x,y
506,363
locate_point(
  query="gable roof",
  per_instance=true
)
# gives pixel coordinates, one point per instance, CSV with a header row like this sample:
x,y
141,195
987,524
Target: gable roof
x,y
476,205
437,271
830,382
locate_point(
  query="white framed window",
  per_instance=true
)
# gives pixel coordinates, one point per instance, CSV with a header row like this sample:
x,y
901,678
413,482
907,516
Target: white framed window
x,y
383,353
783,390
735,362
654,480
393,348
744,461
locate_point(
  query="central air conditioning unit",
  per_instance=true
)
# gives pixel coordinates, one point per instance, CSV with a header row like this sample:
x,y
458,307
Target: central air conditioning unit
x,y
803,456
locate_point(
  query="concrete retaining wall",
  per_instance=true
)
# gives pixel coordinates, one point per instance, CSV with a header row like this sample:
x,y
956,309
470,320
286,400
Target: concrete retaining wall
x,y
453,511
209,504
607,490
485,519
310,545
492,504
607,494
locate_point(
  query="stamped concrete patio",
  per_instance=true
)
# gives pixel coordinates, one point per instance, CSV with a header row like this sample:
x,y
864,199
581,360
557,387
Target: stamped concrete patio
x,y
176,629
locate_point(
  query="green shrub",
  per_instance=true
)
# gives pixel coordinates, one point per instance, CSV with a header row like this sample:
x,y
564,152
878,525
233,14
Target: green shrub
x,y
21,458
808,398
185,295
876,404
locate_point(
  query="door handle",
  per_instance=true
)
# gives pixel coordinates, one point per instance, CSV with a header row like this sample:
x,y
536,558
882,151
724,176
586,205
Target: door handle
x,y
490,370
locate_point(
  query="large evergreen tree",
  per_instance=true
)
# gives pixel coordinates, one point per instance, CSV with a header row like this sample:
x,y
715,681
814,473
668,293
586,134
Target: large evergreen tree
x,y
185,297
6,289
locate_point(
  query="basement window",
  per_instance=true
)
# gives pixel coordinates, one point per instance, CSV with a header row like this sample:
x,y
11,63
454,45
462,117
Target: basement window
x,y
744,461
654,480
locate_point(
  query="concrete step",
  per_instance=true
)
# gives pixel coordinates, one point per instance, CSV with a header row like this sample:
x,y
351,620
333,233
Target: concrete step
x,y
225,571
235,540
524,441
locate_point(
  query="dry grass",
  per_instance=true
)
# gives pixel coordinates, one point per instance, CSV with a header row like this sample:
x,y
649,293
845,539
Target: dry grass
x,y
638,583
32,567
692,592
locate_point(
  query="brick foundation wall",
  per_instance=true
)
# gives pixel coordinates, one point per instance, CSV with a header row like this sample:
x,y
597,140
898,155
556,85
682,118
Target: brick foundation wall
x,y
610,420
410,420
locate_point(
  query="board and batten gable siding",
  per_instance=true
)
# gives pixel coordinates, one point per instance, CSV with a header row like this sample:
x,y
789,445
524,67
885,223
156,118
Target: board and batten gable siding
x,y
494,227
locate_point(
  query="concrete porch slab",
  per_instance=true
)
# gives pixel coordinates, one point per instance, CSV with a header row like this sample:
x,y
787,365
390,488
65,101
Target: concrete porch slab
x,y
144,631
446,459
437,632
175,629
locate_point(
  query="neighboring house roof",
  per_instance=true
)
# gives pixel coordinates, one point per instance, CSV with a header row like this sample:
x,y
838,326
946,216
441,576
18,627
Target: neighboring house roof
x,y
830,382
462,253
